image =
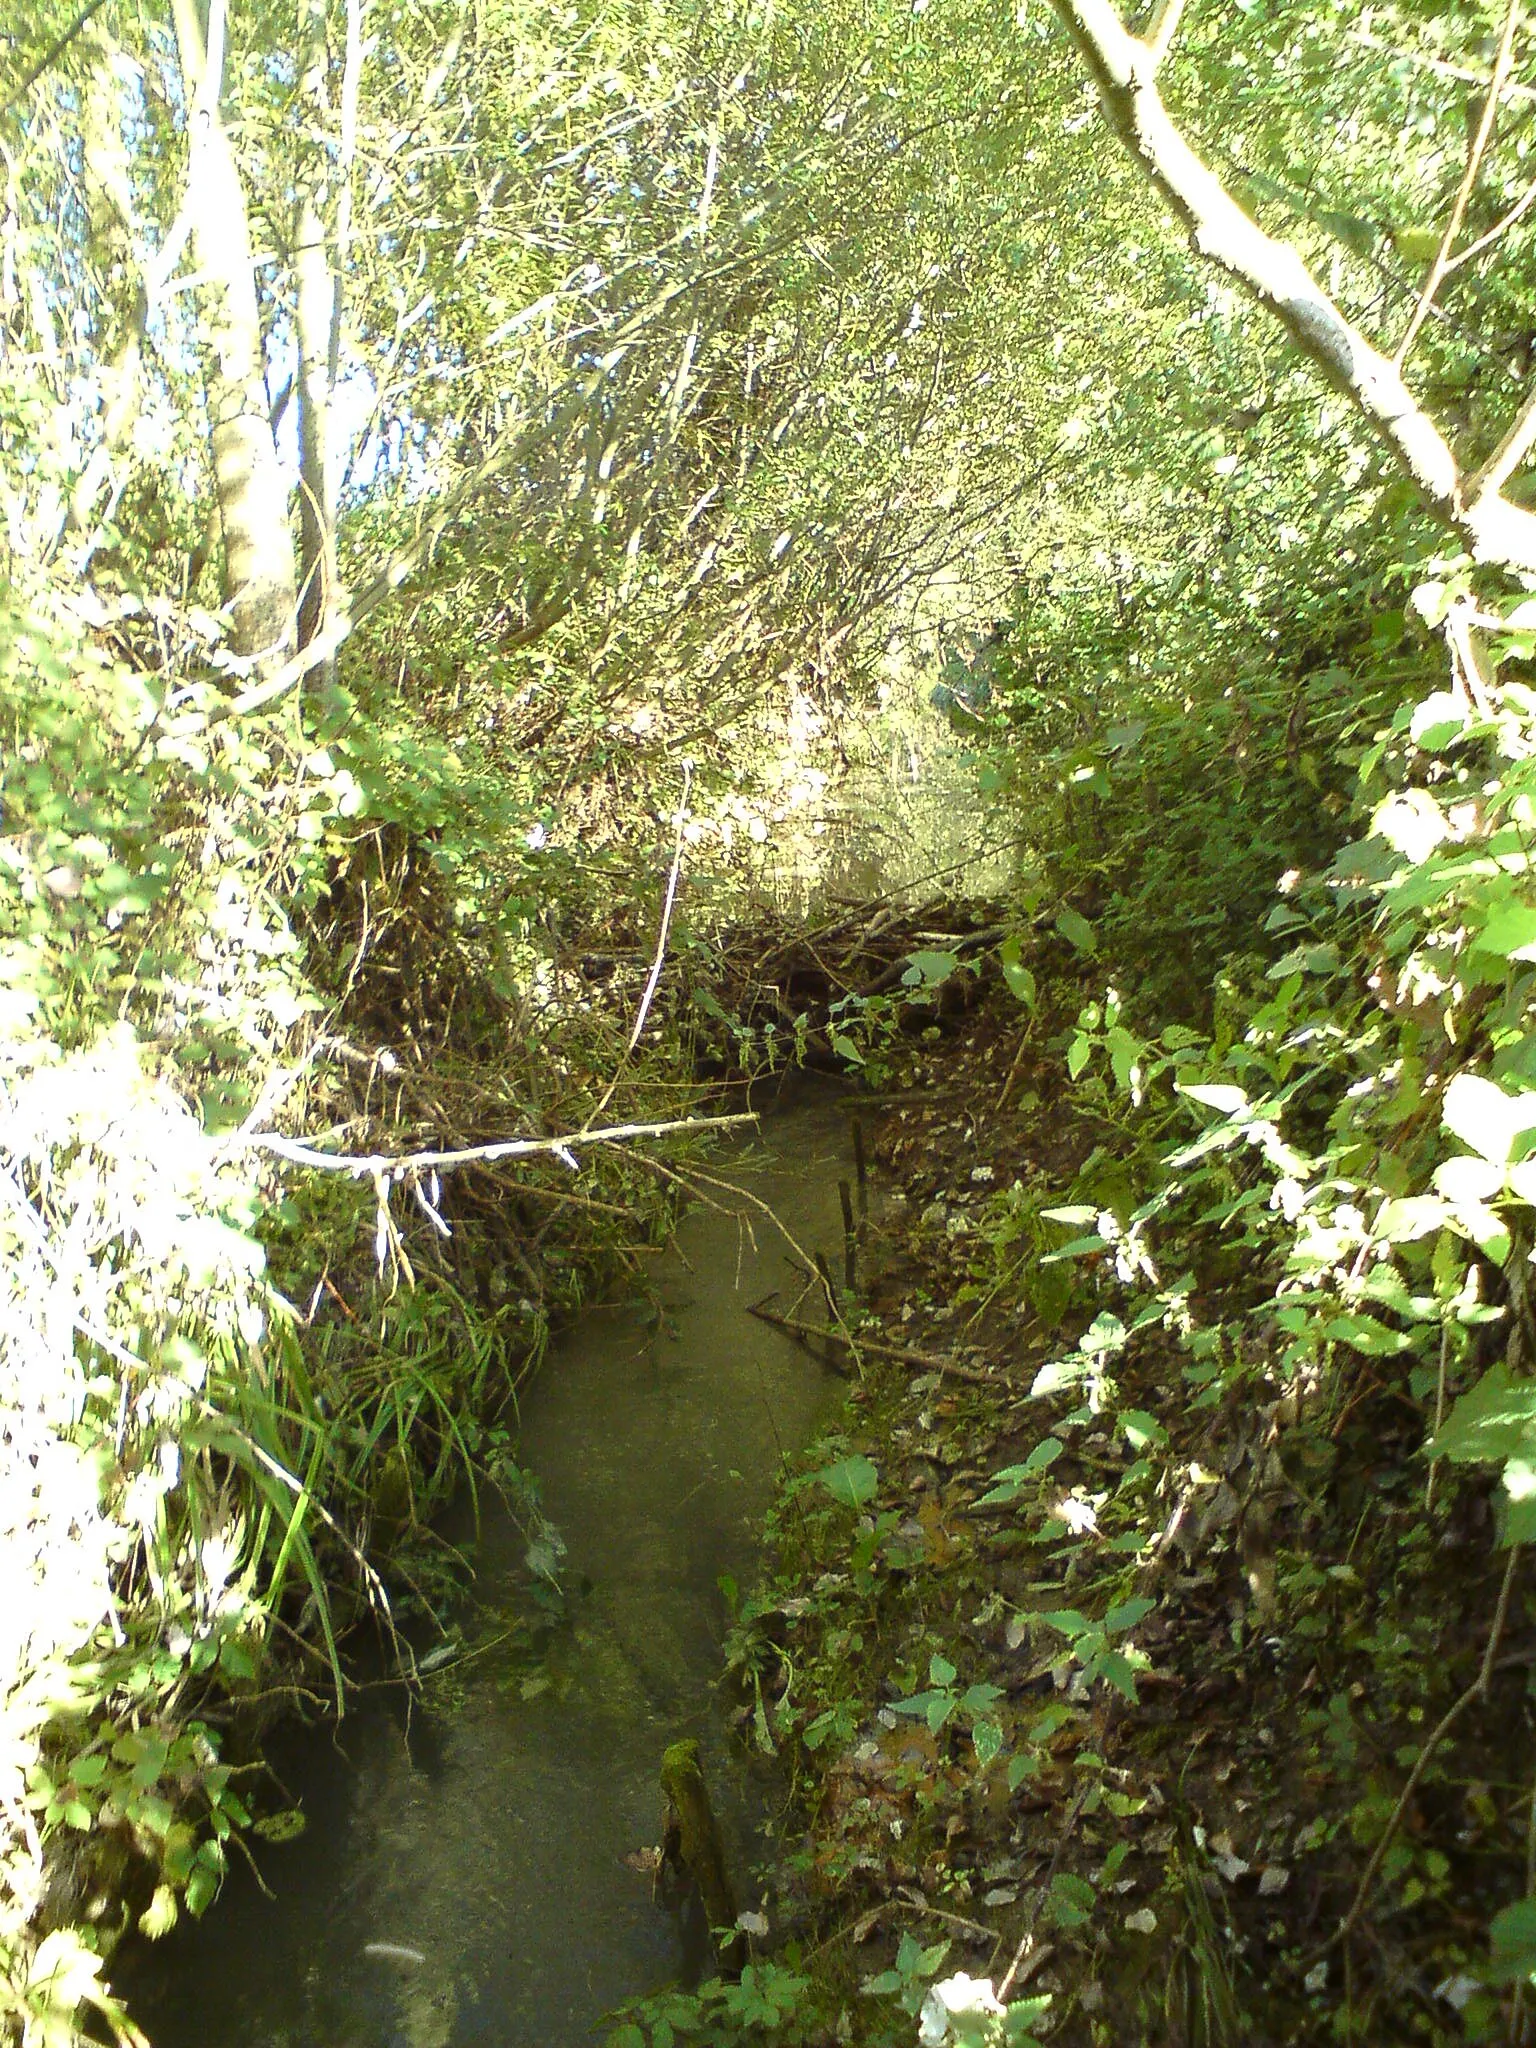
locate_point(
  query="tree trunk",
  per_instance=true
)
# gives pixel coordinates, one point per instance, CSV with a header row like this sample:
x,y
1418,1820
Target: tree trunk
x,y
315,292
317,531
259,583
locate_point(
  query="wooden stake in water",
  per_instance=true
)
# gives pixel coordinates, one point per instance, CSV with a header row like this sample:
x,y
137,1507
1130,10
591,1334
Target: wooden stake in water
x,y
850,1238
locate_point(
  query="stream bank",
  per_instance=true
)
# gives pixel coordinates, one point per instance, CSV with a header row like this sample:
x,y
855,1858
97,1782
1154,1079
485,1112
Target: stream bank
x,y
1095,1682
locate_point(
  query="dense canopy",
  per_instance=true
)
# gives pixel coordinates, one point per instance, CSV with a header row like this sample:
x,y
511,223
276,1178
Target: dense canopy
x,y
477,481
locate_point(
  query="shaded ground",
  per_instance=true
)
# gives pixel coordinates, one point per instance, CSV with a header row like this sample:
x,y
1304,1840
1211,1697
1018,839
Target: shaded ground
x,y
1136,1720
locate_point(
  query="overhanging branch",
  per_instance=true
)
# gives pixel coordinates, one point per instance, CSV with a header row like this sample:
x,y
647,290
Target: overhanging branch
x,y
1124,69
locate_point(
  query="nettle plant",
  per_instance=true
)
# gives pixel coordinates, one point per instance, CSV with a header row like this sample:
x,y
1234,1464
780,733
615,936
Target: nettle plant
x,y
1368,1107
1350,1148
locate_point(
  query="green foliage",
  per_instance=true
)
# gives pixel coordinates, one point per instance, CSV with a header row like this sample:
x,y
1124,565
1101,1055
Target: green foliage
x,y
767,2002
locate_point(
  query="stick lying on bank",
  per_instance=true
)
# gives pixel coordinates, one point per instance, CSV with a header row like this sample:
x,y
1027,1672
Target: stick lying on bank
x,y
374,1163
929,1360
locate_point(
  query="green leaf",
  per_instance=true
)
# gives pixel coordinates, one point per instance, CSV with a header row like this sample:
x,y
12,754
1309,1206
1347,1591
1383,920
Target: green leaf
x,y
1512,1936
1214,1095
1364,1333
987,1740
928,970
1438,721
1490,1422
1021,982
1510,932
1141,1428
1498,1127
1119,1671
1128,1613
976,1699
852,1481
1077,931
1067,1620
159,1916
940,1671
922,1705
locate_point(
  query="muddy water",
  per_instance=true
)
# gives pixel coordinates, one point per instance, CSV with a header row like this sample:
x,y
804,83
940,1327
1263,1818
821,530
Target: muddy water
x,y
463,1876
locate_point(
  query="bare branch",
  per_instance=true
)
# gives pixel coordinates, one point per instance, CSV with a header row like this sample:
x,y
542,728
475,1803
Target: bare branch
x,y
1508,456
375,1165
1490,527
1475,154
1162,28
1500,228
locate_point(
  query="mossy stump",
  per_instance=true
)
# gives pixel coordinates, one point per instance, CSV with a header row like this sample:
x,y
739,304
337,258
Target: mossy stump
x,y
691,1843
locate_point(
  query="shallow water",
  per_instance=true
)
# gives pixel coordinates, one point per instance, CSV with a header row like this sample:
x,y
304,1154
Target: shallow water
x,y
486,1832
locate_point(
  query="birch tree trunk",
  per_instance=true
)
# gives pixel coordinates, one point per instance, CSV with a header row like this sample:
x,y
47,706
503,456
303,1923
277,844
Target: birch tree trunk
x,y
259,583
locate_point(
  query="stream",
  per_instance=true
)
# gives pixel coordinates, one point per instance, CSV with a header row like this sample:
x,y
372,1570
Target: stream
x,y
462,1876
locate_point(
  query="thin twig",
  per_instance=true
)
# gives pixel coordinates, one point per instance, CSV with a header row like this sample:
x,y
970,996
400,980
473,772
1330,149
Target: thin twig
x,y
1434,1463
653,978
55,50
1480,141
691,1181
1508,456
1477,1690
1501,227
1023,1961
666,913
1162,28
907,1904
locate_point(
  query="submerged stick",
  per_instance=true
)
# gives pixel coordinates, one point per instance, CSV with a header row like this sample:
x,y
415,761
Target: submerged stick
x,y
692,1842
860,1165
850,1238
929,1360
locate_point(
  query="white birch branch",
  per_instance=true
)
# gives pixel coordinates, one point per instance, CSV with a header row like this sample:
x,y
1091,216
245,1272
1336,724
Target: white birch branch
x,y
375,1165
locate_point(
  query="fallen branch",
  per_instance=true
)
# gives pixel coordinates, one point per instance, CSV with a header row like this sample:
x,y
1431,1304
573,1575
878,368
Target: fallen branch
x,y
377,1165
900,1352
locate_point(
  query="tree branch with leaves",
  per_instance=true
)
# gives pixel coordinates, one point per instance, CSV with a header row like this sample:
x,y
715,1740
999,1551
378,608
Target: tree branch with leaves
x,y
1124,68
